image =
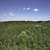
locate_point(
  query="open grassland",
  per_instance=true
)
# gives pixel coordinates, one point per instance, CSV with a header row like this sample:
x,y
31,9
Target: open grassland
x,y
21,35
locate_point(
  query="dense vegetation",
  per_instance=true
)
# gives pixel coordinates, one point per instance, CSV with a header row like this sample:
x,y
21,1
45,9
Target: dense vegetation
x,y
23,35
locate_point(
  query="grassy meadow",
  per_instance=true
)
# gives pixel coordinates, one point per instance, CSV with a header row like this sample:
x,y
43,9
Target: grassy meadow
x,y
25,35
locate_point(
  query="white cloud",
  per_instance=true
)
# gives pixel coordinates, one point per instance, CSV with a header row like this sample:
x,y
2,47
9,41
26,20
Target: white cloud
x,y
36,10
31,8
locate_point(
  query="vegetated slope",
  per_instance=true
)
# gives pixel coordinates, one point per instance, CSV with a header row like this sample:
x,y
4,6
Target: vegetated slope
x,y
25,35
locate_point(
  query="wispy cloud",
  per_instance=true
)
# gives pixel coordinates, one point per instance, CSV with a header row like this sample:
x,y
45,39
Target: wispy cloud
x,y
8,16
11,14
26,8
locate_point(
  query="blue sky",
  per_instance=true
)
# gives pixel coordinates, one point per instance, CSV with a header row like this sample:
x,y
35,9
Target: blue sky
x,y
24,10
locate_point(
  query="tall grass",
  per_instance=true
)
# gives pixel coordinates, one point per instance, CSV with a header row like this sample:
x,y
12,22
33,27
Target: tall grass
x,y
25,36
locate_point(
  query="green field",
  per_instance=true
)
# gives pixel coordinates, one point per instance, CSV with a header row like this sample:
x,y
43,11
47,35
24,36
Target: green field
x,y
24,35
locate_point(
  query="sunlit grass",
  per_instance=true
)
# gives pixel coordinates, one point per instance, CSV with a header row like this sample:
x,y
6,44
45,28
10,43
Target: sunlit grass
x,y
25,36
